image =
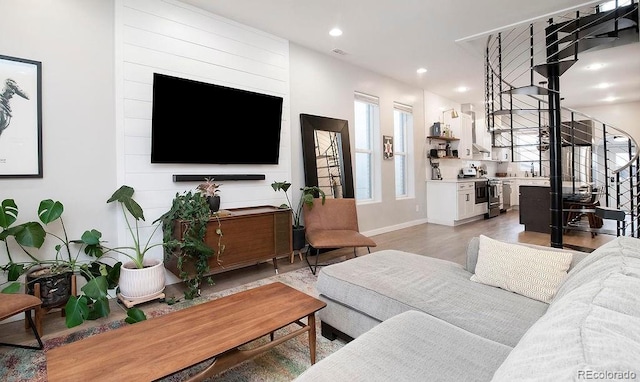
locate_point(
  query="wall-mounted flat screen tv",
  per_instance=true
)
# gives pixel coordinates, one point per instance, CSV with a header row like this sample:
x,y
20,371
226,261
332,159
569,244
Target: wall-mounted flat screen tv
x,y
198,122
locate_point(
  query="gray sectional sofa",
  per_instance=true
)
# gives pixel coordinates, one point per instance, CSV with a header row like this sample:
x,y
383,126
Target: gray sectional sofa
x,y
416,318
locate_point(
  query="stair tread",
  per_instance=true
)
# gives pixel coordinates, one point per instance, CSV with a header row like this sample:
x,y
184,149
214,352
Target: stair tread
x,y
543,69
570,26
516,129
518,111
529,90
599,30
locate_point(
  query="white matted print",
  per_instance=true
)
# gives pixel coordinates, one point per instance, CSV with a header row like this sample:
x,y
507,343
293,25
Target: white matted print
x,y
20,118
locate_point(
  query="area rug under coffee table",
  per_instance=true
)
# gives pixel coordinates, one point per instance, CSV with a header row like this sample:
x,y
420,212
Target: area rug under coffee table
x,y
282,363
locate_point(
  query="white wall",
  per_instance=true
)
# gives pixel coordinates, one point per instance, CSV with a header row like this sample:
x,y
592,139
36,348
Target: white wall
x,y
624,116
74,41
170,37
323,85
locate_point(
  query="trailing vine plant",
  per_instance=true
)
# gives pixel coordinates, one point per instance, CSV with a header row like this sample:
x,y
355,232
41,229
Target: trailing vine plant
x,y
192,252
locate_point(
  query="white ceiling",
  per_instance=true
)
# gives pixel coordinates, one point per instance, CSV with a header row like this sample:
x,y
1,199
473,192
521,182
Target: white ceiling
x,y
396,37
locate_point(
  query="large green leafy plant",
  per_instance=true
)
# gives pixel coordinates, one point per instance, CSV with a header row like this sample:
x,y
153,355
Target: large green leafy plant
x,y
136,252
81,256
192,253
26,235
308,194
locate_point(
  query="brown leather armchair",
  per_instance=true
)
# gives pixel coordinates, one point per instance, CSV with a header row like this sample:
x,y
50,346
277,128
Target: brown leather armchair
x,y
12,304
333,224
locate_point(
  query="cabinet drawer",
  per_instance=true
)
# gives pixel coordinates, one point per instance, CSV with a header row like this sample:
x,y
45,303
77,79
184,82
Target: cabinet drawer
x,y
466,186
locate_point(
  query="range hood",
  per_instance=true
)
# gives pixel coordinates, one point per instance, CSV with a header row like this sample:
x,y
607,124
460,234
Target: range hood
x,y
479,149
476,148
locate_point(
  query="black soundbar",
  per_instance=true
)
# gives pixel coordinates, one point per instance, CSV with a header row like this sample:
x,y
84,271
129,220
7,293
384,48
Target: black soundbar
x,y
217,178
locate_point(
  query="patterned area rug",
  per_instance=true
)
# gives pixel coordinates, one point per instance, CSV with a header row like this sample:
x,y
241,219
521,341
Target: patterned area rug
x,y
282,363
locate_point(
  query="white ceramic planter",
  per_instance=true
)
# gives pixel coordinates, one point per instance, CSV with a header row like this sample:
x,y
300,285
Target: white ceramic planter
x,y
142,283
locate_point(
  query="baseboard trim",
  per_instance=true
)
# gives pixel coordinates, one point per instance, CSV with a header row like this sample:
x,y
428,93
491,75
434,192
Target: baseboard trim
x,y
392,228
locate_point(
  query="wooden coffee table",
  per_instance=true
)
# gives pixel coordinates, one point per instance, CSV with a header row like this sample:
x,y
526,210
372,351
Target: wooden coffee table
x,y
161,346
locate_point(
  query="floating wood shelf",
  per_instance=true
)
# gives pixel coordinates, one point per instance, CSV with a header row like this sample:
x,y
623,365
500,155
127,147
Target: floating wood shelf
x,y
437,137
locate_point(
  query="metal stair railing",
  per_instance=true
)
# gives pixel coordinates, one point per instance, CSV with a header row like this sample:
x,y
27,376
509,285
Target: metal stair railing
x,y
517,107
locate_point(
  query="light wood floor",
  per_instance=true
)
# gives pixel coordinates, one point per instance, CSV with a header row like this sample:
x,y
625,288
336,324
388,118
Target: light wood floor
x,y
438,241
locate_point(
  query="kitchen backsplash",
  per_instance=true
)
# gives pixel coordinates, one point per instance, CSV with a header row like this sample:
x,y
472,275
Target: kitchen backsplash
x,y
450,168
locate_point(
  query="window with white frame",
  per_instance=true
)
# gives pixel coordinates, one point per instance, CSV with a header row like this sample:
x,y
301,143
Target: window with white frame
x,y
367,117
402,130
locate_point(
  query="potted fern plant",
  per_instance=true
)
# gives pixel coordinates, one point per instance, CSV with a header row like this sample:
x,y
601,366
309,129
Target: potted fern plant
x,y
308,194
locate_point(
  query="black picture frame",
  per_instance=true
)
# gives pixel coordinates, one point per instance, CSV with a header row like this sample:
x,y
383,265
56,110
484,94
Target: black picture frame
x,y
20,118
309,124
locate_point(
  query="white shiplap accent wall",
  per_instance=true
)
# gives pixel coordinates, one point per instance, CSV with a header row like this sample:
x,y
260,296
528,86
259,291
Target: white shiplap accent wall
x,y
176,39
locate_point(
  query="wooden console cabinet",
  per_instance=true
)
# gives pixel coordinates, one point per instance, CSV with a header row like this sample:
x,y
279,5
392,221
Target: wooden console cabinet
x,y
251,235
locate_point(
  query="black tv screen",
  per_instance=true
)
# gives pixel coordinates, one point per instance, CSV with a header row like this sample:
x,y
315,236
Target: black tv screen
x,y
197,122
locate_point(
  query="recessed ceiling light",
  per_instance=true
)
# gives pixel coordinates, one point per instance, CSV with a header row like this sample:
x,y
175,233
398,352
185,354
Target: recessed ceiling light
x,y
603,85
462,89
421,70
610,99
335,32
596,66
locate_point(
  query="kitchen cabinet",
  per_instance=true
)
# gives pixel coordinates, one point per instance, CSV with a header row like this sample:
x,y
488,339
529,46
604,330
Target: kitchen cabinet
x,y
451,202
441,202
466,195
502,154
465,146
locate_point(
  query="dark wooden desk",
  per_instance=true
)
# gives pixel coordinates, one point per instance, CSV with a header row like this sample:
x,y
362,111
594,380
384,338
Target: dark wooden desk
x,y
164,345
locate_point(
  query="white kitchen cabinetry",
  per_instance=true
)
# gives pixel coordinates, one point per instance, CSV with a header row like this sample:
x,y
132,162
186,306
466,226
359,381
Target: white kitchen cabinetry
x,y
502,154
448,202
441,202
466,200
465,146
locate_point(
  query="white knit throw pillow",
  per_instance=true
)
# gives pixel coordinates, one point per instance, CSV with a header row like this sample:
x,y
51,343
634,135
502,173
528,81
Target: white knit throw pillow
x,y
530,272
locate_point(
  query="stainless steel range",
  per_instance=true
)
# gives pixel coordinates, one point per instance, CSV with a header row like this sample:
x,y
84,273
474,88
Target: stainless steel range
x,y
494,196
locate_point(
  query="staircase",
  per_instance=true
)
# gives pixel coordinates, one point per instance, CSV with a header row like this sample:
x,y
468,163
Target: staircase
x,y
580,154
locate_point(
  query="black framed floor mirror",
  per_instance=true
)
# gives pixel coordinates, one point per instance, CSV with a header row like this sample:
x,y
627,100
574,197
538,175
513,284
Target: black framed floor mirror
x,y
327,155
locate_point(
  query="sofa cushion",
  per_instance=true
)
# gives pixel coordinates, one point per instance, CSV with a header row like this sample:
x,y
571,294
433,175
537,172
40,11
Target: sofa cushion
x,y
594,327
412,346
531,272
474,247
614,256
386,283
